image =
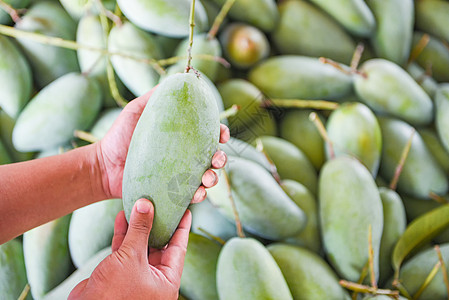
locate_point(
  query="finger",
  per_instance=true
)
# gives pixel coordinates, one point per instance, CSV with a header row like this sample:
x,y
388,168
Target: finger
x,y
139,228
219,159
78,290
209,179
120,228
225,134
200,195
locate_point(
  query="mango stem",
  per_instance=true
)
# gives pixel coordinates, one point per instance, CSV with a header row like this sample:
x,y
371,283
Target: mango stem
x,y
299,103
24,293
85,136
175,59
11,11
238,224
371,257
339,67
360,288
419,47
362,277
429,279
273,169
232,111
400,166
220,18
443,268
192,26
214,237
319,125
356,57
438,198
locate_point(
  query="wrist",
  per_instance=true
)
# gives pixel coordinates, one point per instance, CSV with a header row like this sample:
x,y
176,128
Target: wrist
x,y
97,174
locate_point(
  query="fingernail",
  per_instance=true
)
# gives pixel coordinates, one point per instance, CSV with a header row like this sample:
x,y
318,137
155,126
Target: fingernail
x,y
211,178
143,206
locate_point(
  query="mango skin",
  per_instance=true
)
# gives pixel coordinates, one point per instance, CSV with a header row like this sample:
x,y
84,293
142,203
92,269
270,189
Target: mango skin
x,y
434,55
104,122
431,17
307,274
273,216
389,89
235,147
426,81
5,19
349,203
354,130
264,124
300,77
4,155
167,18
47,257
290,162
198,280
305,30
171,148
16,78
442,114
6,128
420,174
246,270
78,8
393,37
12,270
436,147
49,119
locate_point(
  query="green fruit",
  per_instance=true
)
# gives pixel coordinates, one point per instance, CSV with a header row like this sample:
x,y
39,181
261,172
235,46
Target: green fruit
x,y
167,45
428,84
260,13
49,120
297,128
15,75
4,155
48,62
386,88
127,39
170,150
6,128
393,37
435,147
349,204
442,114
382,297
104,122
47,257
198,279
300,77
273,216
354,15
305,30
78,8
414,272
212,10
290,162
237,148
394,226
264,124
244,45
13,276
63,290
353,130
91,229
310,236
168,18
16,4
420,174
434,56
308,275
246,270
432,17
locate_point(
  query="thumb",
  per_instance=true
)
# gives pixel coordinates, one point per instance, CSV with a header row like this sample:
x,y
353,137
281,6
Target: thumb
x,y
139,227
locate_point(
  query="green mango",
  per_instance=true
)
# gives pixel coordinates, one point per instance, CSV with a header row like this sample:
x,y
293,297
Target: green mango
x,y
205,216
393,37
297,128
435,147
308,276
167,45
6,128
349,204
127,39
265,124
63,290
310,236
415,271
48,62
78,8
420,174
198,280
273,216
246,270
394,226
442,114
104,122
381,297
4,155
301,77
354,15
244,45
432,17
91,229
434,56
15,75
47,257
290,162
168,18
260,13
305,30
212,11
353,130
49,120
387,88
180,121
13,277
235,147
16,4
428,84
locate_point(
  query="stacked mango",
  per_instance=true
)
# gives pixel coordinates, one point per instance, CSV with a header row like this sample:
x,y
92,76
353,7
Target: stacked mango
x,y
337,176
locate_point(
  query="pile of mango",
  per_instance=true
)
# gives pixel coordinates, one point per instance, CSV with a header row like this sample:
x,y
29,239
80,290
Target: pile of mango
x,y
337,180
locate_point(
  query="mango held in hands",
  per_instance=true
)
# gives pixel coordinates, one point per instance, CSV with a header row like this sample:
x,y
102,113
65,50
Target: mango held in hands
x,y
171,148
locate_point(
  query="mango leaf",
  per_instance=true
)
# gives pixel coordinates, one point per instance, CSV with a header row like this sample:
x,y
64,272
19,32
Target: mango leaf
x,y
420,231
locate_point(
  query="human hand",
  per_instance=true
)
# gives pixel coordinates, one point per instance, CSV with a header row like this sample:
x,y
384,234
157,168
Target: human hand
x,y
113,148
130,272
